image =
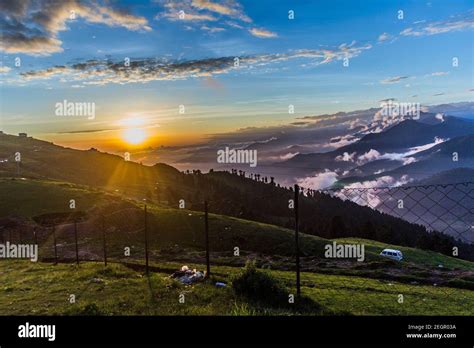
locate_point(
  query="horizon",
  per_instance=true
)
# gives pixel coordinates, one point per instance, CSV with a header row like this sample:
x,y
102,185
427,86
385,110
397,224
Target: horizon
x,y
158,79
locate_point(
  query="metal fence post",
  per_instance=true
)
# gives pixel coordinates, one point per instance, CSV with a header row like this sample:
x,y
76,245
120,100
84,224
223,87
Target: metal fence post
x,y
297,247
55,246
104,241
146,241
206,230
75,237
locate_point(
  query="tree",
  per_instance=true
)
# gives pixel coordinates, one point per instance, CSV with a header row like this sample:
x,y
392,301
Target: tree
x,y
338,227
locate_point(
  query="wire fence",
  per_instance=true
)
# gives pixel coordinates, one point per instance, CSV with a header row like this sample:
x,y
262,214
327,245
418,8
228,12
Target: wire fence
x,y
148,237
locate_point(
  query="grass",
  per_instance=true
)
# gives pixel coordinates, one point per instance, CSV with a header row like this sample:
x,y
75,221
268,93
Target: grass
x,y
334,286
43,289
413,255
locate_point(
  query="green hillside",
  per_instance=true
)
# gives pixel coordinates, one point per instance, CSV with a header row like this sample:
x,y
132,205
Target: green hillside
x,y
228,194
44,289
176,238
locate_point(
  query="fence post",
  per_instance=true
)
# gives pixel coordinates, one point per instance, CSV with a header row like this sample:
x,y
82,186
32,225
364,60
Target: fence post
x,y
206,230
104,241
146,241
297,247
75,237
55,246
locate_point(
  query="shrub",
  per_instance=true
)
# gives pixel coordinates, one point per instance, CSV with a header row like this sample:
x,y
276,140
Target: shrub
x,y
259,286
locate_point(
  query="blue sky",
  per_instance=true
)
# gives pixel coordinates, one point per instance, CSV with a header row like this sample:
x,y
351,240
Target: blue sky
x,y
177,62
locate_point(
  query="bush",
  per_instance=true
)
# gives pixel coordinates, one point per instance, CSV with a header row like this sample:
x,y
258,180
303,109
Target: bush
x,y
90,309
259,286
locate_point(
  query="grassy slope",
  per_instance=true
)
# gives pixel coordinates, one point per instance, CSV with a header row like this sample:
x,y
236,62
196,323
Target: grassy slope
x,y
44,289
33,197
413,255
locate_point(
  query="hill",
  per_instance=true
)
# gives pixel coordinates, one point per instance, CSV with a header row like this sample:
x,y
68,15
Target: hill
x,y
175,237
41,289
229,194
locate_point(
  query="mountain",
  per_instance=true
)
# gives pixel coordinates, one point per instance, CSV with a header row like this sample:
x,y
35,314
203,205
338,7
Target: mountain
x,y
457,175
455,153
228,194
399,138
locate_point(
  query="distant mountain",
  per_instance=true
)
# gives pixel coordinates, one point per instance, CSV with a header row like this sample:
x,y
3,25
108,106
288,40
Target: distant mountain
x,y
457,175
228,194
461,109
455,153
383,153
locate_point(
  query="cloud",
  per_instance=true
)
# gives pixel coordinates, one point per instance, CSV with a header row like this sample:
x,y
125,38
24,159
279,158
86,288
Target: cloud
x,y
4,69
458,23
384,37
288,156
262,33
346,157
369,156
212,29
388,100
395,79
356,124
101,72
319,181
228,8
438,94
205,10
405,157
368,197
416,149
337,142
32,27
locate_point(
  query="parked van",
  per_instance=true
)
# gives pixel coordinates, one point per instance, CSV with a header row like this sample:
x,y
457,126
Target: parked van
x,y
392,254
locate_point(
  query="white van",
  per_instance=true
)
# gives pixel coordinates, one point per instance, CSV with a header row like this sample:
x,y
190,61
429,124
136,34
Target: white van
x,y
392,254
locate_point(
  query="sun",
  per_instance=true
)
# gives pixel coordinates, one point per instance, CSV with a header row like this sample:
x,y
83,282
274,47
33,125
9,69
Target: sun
x,y
133,131
134,136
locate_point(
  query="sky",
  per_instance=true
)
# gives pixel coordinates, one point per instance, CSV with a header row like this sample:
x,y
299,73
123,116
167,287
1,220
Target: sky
x,y
176,72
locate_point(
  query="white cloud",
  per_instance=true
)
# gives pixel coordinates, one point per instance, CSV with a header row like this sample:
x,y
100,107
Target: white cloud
x,y
289,155
346,157
384,37
228,8
101,72
440,27
405,158
340,141
35,29
319,181
369,156
368,197
395,79
262,33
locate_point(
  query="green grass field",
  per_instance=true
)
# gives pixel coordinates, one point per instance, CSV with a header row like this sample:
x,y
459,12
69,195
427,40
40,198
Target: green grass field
x,y
176,238
44,289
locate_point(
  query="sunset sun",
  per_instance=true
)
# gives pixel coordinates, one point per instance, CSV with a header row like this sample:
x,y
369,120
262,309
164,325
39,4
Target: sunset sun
x,y
134,136
133,133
